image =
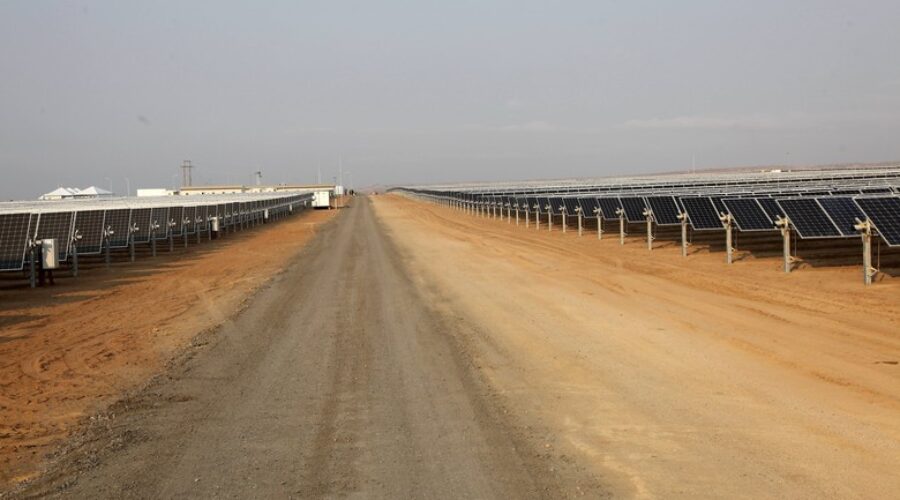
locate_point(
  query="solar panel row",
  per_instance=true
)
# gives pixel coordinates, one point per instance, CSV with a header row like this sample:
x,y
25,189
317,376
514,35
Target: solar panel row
x,y
82,225
829,206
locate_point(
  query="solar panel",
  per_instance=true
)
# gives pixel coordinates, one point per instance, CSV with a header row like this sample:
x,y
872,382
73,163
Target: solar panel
x,y
717,202
572,205
665,210
190,227
140,217
771,208
542,204
176,216
843,212
808,218
89,225
884,213
555,205
14,231
118,220
202,218
609,206
748,215
588,205
523,203
58,226
702,214
634,208
160,217
876,190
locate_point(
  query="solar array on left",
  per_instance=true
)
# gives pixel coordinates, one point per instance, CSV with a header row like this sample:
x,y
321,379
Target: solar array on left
x,y
89,226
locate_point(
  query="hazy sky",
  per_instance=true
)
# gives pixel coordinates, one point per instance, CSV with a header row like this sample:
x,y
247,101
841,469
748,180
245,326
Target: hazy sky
x,y
421,91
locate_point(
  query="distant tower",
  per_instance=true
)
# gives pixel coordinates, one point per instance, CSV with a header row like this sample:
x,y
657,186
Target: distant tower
x,y
258,174
186,172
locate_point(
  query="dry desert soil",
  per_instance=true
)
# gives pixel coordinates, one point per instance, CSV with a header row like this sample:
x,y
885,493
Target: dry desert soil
x,y
398,349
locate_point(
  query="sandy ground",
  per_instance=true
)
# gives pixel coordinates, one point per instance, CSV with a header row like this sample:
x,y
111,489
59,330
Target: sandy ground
x,y
67,351
675,377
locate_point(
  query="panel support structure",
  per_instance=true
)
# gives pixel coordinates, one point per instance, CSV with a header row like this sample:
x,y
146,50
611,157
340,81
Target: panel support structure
x,y
728,221
865,231
621,213
785,225
648,215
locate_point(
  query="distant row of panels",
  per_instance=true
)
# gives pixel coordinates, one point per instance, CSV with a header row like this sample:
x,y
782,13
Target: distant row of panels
x,y
90,225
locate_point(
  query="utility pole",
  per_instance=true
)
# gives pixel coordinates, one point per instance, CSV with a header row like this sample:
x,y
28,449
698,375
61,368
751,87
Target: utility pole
x,y
186,168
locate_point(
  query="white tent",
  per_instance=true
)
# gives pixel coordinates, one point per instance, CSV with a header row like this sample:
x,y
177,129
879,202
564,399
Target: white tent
x,y
65,193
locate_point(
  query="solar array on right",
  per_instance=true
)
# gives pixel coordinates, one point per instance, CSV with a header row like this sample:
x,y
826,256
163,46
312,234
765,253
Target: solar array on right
x,y
822,204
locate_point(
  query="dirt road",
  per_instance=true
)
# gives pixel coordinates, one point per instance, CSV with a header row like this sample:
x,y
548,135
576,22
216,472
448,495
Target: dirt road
x,y
339,380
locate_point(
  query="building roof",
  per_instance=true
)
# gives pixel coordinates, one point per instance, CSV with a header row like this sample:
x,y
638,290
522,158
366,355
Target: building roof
x,y
93,190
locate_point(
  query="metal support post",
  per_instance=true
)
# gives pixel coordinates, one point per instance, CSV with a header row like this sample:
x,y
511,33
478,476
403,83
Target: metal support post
x,y
621,213
132,229
76,237
527,214
648,214
865,229
106,235
599,214
729,247
564,220
785,225
74,260
517,215
580,224
537,218
549,219
32,275
684,241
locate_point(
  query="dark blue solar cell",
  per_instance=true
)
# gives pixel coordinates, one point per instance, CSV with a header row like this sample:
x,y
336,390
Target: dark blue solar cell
x,y
843,212
884,213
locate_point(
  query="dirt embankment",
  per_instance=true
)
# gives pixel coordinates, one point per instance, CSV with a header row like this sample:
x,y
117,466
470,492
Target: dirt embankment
x,y
672,376
67,350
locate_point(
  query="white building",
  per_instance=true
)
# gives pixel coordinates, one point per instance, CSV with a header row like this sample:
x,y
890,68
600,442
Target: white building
x,y
66,193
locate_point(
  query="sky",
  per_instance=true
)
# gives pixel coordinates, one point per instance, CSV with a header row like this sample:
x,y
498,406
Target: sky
x,y
117,94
